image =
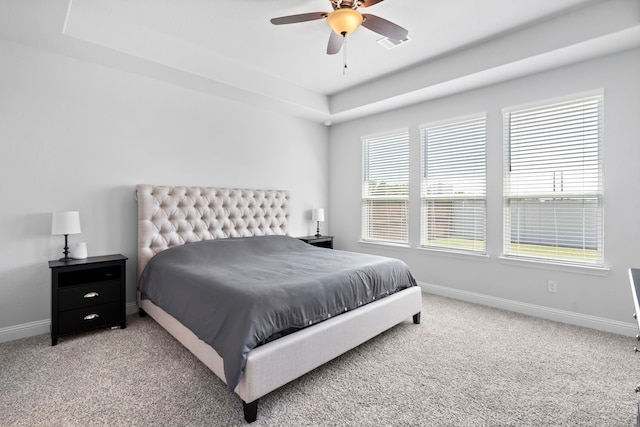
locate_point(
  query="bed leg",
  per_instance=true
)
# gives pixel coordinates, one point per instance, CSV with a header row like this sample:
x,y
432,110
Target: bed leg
x,y
250,411
416,318
141,312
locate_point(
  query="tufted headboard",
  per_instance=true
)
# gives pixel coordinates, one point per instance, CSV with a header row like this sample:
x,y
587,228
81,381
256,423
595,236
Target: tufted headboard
x,y
172,216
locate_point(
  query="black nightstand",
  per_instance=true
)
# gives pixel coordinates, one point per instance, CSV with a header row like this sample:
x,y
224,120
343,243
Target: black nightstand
x,y
87,294
321,242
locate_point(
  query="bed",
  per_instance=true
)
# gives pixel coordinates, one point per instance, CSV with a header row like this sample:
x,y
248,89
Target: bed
x,y
189,226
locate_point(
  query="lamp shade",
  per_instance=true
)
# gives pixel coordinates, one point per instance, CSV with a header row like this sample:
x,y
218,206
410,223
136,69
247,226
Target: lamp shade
x,y
344,21
317,215
65,223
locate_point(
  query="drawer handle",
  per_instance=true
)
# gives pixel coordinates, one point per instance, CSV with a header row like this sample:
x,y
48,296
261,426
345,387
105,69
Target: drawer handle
x,y
91,316
91,295
108,274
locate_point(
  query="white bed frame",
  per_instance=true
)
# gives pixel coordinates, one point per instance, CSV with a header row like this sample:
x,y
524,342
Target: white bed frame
x,y
171,216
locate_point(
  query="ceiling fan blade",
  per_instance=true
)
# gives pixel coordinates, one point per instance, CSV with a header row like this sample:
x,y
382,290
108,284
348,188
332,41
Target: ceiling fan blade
x,y
292,19
335,43
367,3
384,27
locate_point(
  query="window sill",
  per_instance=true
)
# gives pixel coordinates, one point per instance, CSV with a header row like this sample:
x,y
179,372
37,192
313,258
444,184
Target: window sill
x,y
385,244
550,265
455,254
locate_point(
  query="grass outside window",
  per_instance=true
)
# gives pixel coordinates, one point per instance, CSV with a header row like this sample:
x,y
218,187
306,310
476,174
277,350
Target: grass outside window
x,y
546,252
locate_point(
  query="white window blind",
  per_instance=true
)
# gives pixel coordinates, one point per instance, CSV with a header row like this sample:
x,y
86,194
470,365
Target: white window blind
x,y
553,189
453,187
385,188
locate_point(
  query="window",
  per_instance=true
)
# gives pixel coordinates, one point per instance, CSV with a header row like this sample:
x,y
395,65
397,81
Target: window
x,y
553,189
453,187
385,188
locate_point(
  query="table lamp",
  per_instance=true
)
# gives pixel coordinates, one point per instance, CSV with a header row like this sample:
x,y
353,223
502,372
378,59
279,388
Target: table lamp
x,y
65,223
318,216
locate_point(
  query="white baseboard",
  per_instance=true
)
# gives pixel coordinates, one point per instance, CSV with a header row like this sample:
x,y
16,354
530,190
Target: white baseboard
x,y
39,327
25,330
587,321
131,308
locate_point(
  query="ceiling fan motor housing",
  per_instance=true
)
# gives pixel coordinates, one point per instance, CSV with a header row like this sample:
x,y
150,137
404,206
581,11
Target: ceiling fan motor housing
x,y
344,21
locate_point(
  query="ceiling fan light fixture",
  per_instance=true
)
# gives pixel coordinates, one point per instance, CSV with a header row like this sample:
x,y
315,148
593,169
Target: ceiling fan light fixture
x,y
344,21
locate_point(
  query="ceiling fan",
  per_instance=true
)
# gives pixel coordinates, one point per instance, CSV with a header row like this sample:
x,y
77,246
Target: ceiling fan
x,y
345,19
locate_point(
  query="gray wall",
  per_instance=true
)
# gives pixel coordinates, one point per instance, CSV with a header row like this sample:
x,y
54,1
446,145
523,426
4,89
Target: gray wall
x,y
583,294
79,136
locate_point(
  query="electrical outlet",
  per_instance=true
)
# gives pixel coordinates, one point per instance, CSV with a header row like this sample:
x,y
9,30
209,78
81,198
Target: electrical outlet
x,y
552,286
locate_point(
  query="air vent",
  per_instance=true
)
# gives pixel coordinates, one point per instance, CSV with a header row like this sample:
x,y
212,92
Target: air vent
x,y
391,43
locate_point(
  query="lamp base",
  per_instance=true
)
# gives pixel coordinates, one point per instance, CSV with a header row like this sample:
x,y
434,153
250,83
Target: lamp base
x,y
66,252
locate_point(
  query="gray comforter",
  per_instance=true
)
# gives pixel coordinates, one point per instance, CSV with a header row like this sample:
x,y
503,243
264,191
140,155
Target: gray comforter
x,y
238,293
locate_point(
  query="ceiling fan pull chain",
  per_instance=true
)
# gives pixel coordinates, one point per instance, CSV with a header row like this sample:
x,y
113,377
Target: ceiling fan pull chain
x,y
344,56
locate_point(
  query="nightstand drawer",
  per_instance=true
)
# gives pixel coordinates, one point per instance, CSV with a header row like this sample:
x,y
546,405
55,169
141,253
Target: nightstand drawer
x,y
72,297
89,317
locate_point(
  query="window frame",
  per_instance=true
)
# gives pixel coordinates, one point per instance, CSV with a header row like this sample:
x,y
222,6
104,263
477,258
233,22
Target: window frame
x,y
462,130
368,231
592,200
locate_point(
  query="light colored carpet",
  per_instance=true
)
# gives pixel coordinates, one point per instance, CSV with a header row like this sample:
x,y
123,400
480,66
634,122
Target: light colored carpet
x,y
465,365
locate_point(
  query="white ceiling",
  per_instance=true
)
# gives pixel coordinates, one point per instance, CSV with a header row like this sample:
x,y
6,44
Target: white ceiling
x,y
240,31
230,48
